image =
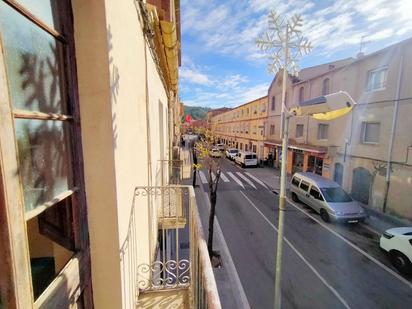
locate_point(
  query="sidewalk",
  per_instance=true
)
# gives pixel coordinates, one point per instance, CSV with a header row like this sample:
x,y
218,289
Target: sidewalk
x,y
377,222
231,293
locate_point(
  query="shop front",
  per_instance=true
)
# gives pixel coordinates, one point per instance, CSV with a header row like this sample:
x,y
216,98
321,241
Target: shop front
x,y
298,158
315,163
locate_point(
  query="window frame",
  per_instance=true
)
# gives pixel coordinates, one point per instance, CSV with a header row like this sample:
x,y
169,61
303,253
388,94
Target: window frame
x,y
363,132
326,125
13,222
301,94
368,84
300,125
326,86
273,104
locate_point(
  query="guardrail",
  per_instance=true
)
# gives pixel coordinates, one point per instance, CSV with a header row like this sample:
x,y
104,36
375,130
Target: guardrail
x,y
181,260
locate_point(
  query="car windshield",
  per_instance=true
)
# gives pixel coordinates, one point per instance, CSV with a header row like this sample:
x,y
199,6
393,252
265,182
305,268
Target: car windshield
x,y
233,151
336,195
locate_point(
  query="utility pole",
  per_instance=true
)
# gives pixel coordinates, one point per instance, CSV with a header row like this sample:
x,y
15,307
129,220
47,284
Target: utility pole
x,y
284,44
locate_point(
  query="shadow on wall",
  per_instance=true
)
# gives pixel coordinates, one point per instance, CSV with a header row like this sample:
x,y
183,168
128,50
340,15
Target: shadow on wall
x,y
114,82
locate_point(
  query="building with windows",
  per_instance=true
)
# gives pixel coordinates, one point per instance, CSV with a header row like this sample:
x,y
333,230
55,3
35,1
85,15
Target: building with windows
x,y
88,108
242,127
368,150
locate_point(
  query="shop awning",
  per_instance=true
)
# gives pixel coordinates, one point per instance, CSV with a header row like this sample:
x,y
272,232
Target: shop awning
x,y
304,147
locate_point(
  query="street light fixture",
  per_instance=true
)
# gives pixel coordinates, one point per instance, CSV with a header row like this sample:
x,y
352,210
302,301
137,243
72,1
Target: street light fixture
x,y
284,44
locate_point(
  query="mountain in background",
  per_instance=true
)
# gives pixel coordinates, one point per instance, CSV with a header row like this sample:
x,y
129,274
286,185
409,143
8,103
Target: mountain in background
x,y
196,112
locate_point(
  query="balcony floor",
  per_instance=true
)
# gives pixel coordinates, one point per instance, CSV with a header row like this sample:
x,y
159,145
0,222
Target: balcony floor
x,y
164,299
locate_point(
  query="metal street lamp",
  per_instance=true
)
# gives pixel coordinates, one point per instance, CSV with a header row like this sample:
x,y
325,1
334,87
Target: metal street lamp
x,y
284,44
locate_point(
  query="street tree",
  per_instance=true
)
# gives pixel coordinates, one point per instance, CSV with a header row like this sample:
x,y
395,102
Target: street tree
x,y
212,165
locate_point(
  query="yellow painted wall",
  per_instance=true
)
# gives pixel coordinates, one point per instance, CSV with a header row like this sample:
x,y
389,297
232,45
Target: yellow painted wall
x,y
110,52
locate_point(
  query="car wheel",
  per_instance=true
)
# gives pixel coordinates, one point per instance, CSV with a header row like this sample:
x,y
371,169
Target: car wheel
x,y
295,197
324,215
401,262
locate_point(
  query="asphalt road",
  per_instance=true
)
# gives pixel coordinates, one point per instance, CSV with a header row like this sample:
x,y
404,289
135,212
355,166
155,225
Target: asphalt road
x,y
324,265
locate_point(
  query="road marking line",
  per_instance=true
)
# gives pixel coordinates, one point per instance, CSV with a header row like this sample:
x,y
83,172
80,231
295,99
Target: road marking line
x,y
353,246
246,179
224,178
257,180
300,255
236,179
202,177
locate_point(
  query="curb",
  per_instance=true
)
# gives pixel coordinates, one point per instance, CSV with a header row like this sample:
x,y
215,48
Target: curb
x,y
387,218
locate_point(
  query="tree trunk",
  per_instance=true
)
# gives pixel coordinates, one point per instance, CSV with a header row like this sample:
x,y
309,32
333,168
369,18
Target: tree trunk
x,y
194,178
212,197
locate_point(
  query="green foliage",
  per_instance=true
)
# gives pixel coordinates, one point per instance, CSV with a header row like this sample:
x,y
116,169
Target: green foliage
x,y
196,112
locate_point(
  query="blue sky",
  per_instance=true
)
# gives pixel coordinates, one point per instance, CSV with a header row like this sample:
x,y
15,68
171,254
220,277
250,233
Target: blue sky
x,y
221,66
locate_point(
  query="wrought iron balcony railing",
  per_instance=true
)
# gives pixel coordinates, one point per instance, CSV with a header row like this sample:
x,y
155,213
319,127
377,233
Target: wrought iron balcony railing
x,y
180,260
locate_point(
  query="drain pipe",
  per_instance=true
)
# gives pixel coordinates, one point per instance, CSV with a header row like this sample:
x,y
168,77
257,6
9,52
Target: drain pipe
x,y
392,136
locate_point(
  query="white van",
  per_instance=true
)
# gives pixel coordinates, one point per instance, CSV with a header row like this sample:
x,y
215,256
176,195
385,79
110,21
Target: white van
x,y
326,197
246,158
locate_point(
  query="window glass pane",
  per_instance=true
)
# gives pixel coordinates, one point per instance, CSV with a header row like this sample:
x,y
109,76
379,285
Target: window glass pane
x,y
299,130
295,181
33,66
45,10
304,185
371,132
47,255
44,160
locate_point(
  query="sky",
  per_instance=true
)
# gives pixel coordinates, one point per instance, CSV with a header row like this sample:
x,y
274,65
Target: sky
x,y
221,65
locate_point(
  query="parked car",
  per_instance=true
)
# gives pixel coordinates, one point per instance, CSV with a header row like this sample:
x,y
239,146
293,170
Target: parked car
x,y
326,197
215,153
231,153
245,158
397,242
221,147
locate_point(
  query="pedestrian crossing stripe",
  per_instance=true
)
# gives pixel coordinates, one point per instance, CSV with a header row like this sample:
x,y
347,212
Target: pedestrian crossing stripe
x,y
246,179
202,177
236,179
224,178
257,180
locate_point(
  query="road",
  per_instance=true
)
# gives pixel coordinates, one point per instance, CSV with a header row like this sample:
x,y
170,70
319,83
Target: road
x,y
324,265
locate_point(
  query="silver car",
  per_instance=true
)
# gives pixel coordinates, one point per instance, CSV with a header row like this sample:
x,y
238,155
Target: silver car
x,y
326,197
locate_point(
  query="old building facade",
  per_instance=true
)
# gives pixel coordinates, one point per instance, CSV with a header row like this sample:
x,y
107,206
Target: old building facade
x,y
89,112
368,150
242,127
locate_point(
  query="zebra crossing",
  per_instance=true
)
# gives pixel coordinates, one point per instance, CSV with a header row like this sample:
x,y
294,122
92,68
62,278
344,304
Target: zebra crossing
x,y
243,180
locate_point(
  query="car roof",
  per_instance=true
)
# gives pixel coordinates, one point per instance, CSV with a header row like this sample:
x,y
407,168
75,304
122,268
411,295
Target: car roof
x,y
319,180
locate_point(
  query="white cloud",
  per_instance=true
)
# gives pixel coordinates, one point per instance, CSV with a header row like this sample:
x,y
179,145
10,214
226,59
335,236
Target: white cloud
x,y
231,27
193,76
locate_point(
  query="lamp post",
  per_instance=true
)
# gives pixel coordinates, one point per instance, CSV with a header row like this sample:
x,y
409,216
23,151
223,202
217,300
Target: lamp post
x,y
284,44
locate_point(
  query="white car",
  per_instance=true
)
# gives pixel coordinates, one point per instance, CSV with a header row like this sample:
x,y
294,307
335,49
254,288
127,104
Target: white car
x,y
215,153
231,153
397,242
221,147
246,159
